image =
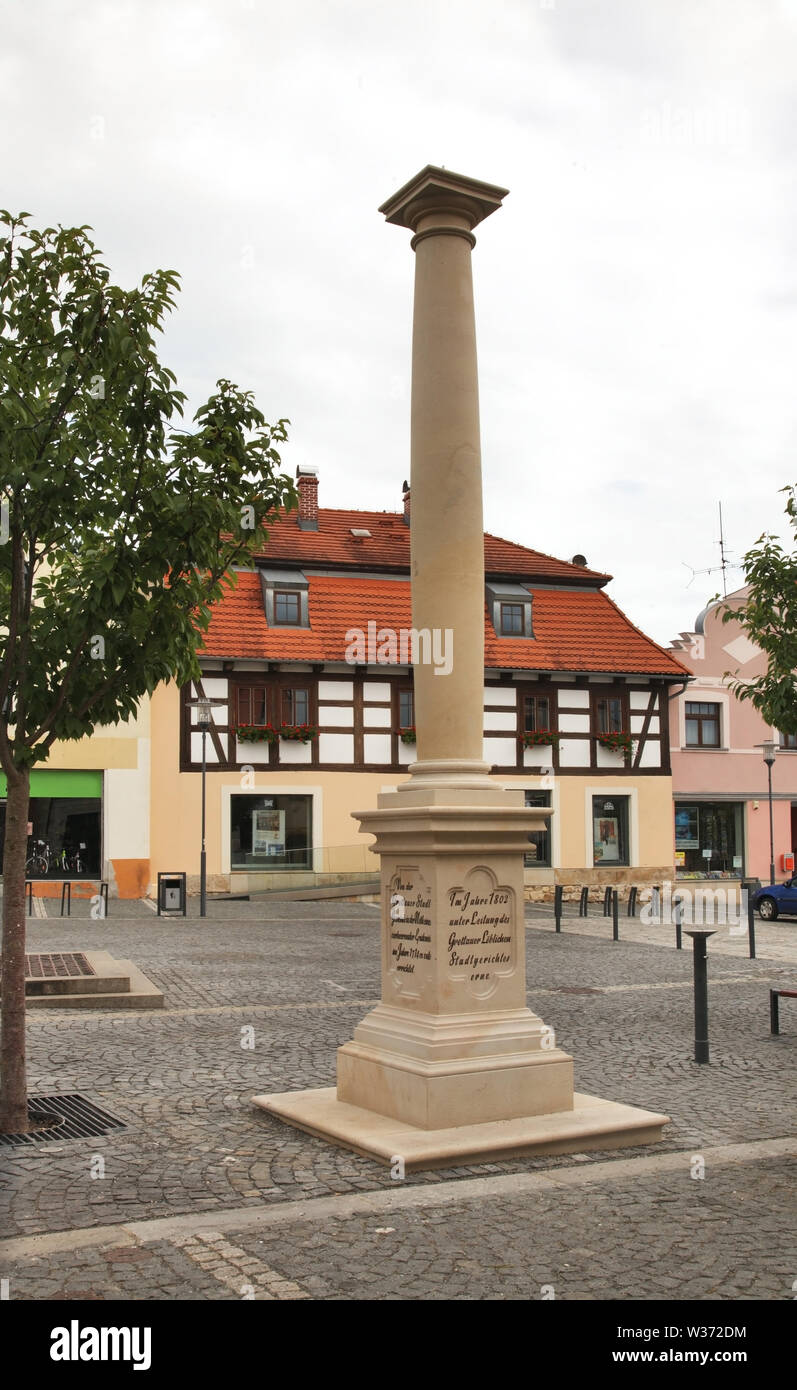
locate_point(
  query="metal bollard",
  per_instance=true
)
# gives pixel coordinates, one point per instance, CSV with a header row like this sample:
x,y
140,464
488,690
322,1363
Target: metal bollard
x,y
558,894
700,937
607,902
750,925
632,901
615,916
583,906
678,918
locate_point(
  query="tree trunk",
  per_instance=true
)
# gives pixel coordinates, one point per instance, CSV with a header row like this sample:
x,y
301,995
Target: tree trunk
x,y
13,1076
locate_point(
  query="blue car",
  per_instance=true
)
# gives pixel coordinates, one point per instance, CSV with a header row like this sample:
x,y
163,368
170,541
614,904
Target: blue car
x,y
776,900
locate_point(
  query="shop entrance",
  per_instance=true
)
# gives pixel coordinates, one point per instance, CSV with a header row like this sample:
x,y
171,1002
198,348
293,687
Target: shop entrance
x,y
65,824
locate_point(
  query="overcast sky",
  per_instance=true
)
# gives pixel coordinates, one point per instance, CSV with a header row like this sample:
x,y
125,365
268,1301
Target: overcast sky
x,y
636,296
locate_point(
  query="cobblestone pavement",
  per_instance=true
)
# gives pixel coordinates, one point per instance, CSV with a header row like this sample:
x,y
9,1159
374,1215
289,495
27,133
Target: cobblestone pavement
x,y
182,1080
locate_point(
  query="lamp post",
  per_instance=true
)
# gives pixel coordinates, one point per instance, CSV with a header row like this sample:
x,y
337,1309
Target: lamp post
x,y
770,749
202,706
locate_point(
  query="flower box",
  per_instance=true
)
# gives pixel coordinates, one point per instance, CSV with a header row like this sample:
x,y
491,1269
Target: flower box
x,y
256,733
407,735
299,733
539,738
618,742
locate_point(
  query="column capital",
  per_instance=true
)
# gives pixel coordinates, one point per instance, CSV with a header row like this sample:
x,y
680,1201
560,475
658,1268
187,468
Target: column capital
x,y
435,196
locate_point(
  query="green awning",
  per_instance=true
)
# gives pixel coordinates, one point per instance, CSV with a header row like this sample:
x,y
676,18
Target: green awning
x,y
60,782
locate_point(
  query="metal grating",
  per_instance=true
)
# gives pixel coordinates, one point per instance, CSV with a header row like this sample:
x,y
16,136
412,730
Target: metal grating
x,y
63,965
80,1119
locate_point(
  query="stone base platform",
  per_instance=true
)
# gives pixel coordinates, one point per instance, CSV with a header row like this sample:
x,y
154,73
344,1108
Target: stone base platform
x,y
591,1124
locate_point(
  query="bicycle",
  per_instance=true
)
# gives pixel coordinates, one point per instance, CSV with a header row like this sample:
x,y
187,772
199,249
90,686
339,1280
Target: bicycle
x,y
38,861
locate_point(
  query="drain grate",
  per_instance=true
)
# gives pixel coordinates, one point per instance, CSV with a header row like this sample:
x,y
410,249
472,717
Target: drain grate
x,y
63,965
80,1119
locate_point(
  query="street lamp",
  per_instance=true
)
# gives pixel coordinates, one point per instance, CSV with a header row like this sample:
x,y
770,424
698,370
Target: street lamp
x,y
770,749
202,706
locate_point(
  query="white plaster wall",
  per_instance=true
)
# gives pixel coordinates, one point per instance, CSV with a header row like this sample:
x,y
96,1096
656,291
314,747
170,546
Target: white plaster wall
x,y
500,751
574,723
340,717
375,690
579,699
574,752
210,753
376,748
336,748
496,720
253,753
500,695
335,690
293,751
126,808
376,718
651,755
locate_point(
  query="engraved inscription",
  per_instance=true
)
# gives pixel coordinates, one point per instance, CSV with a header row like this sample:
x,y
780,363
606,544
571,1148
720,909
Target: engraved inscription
x,y
480,939
409,929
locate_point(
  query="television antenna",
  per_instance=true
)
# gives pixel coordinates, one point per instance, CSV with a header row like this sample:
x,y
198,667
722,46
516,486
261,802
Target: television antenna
x,y
724,565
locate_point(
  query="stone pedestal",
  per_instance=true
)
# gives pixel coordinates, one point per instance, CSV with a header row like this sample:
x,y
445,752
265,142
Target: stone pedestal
x,y
452,1042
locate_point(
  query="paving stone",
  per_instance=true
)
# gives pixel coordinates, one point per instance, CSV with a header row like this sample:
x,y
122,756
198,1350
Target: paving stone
x,y
182,1084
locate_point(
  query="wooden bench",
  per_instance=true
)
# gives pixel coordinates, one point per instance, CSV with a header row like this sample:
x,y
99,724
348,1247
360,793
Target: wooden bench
x,y
774,996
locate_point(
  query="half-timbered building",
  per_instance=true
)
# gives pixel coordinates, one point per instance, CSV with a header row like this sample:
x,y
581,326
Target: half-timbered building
x,y
311,694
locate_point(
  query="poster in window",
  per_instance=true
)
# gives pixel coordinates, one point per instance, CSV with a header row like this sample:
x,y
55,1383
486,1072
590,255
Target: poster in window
x,y
606,836
687,827
268,832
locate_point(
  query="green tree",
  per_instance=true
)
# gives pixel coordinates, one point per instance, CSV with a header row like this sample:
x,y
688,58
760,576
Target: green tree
x,y
769,617
118,530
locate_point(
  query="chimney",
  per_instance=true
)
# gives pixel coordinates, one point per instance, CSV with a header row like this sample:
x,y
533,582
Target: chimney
x,y
307,484
405,487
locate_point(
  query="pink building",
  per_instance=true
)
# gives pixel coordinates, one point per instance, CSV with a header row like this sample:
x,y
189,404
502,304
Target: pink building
x,y
719,775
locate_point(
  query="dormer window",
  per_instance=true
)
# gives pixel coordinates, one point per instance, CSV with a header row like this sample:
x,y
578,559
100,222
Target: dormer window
x,y
512,624
285,598
287,608
509,607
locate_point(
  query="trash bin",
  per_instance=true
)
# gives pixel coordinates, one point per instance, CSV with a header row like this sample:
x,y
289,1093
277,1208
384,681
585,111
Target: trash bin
x,y
171,894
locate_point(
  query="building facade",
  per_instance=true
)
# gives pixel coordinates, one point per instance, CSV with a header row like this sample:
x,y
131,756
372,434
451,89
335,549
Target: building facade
x,y
720,785
308,668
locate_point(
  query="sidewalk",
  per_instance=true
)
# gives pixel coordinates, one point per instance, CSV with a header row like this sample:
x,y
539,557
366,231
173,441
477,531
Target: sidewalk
x,y
203,1195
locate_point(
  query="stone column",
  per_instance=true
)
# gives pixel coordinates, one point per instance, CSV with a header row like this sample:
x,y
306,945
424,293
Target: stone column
x,y
452,1064
447,527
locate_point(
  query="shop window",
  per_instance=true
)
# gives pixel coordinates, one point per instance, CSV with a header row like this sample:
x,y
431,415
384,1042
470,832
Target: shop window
x,y
65,837
609,831
270,832
539,856
708,839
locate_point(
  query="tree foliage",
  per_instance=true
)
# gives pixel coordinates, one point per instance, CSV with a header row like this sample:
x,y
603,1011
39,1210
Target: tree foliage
x,y
769,618
119,528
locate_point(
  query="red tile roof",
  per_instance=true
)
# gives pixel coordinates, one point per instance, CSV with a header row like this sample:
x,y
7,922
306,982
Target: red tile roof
x,y
388,547
574,630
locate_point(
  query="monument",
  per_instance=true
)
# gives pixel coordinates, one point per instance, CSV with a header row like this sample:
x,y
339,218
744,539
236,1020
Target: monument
x,y
451,1066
